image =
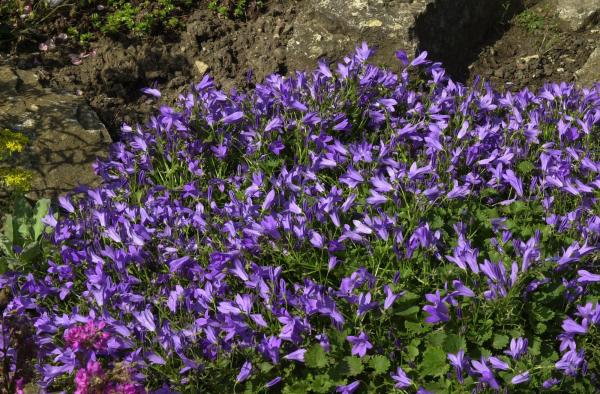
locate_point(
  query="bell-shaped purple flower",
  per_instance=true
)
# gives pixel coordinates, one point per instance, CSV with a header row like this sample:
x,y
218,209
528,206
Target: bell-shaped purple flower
x,y
360,344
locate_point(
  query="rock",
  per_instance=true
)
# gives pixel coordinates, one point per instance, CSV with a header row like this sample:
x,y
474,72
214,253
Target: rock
x,y
65,134
201,67
521,64
332,29
527,59
8,82
590,72
577,14
153,74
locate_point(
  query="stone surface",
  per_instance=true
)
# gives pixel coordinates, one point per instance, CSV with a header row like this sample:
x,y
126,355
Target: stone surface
x,y
65,134
445,28
201,67
590,72
577,14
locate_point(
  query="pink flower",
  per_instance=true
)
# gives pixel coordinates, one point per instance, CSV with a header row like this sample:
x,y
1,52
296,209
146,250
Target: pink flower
x,y
20,383
88,336
85,378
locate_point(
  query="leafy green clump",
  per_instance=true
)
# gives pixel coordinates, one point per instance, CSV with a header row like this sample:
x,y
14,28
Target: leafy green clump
x,y
235,8
21,241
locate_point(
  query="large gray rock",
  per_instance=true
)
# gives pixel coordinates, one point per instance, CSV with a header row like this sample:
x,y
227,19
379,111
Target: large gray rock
x,y
449,30
590,72
65,134
577,14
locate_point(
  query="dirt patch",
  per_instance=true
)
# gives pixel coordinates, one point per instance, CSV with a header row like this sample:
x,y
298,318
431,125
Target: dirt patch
x,y
234,53
535,49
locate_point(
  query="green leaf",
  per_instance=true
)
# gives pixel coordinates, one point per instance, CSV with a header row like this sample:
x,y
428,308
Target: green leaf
x,y
439,386
22,208
297,388
543,313
437,338
353,365
31,253
535,346
22,217
436,222
380,364
484,331
5,246
434,362
489,192
414,327
525,167
518,206
315,357
453,343
265,367
412,352
500,341
337,338
413,310
8,229
408,298
40,210
322,384
540,328
249,388
3,265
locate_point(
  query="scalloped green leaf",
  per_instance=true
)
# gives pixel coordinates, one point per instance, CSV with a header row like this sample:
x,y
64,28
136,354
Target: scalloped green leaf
x,y
453,343
322,384
380,364
434,362
353,366
500,341
315,357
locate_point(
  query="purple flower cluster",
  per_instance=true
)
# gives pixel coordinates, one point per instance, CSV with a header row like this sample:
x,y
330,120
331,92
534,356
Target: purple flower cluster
x,y
573,359
483,369
253,223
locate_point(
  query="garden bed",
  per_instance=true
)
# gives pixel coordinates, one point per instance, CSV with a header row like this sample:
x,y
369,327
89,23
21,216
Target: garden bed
x,y
349,229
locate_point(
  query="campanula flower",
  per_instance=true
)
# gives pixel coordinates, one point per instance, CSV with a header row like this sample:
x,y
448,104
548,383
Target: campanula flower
x,y
518,347
349,388
401,379
520,378
360,344
245,372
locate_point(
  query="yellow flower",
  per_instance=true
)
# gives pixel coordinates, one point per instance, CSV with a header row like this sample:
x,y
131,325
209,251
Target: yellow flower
x,y
14,146
15,179
12,142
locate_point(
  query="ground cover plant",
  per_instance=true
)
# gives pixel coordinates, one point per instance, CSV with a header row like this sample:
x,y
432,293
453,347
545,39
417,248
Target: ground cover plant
x,y
14,180
345,230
